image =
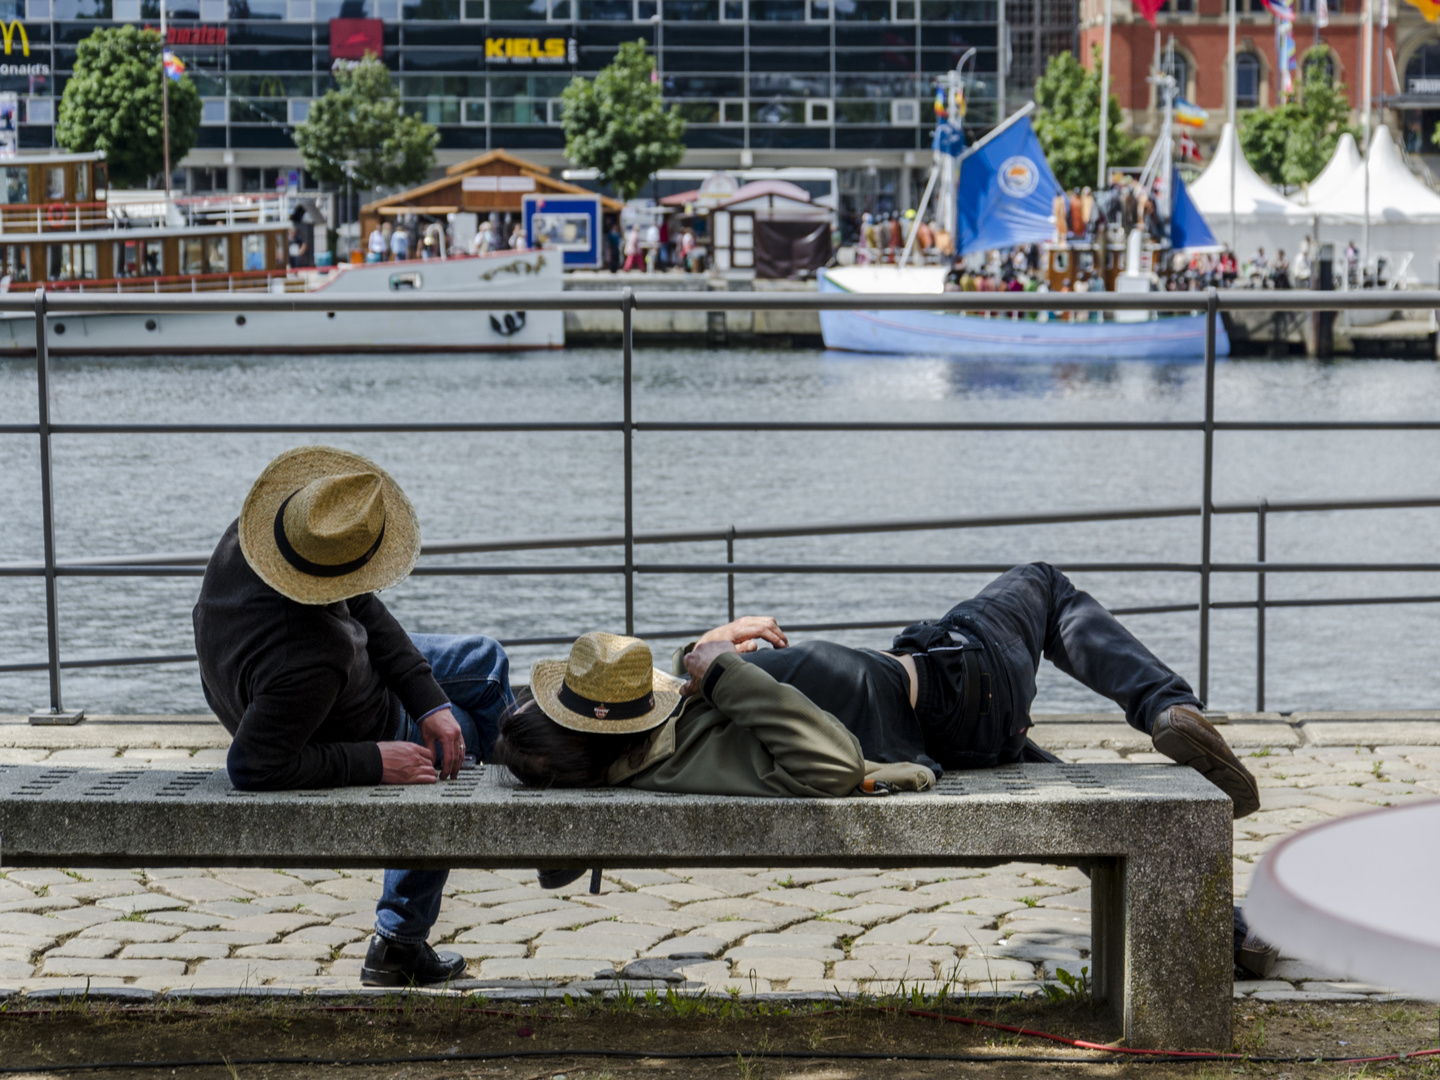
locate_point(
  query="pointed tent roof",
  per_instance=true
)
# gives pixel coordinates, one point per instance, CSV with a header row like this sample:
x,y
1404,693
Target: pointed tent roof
x,y
1254,198
1397,196
1341,175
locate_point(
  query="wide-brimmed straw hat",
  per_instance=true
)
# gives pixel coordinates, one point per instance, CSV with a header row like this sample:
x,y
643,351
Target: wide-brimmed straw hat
x,y
608,685
322,525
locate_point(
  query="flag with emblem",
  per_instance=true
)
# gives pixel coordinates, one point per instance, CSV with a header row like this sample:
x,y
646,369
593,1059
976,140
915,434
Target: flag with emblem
x,y
174,66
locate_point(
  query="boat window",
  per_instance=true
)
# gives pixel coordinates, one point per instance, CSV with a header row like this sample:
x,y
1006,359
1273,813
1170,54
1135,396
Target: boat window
x,y
15,185
138,258
217,254
1061,260
16,261
72,262
1087,259
192,255
82,182
55,182
252,245
399,282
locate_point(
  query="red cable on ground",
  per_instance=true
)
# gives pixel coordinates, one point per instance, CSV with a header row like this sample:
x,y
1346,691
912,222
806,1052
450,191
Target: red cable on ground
x,y
1083,1044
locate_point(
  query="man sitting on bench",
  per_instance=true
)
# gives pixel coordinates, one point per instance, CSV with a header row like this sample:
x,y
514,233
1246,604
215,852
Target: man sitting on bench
x,y
318,683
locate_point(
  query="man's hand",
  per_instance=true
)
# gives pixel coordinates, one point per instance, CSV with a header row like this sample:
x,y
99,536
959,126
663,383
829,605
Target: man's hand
x,y
698,661
442,729
406,763
744,632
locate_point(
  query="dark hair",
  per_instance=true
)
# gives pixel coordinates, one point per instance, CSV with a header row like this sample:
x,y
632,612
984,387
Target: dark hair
x,y
543,754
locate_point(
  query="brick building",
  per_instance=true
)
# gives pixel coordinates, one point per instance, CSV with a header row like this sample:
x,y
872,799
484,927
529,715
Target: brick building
x,y
1200,30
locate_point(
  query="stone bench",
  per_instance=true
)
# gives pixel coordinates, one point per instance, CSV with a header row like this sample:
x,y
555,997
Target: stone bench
x,y
1156,840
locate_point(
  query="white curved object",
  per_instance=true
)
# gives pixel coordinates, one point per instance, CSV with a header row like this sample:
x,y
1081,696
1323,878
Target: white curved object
x,y
1358,897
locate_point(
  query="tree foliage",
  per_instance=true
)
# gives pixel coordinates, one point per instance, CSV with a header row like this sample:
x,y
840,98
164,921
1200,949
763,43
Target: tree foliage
x,y
1290,144
618,124
112,103
361,120
1068,123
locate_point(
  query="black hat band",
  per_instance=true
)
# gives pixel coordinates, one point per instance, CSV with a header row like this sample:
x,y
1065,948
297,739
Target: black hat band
x,y
314,569
605,710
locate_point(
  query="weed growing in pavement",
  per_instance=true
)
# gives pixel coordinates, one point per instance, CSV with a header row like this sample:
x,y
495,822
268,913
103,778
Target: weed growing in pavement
x,y
1031,901
1071,988
134,916
1264,751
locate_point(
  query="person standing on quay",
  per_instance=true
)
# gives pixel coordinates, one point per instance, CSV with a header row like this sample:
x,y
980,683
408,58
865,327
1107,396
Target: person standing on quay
x,y
321,687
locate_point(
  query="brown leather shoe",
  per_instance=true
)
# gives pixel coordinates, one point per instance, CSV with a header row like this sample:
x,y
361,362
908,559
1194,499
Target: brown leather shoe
x,y
1183,735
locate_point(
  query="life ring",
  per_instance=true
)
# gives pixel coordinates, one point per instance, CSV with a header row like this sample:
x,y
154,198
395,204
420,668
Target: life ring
x,y
55,214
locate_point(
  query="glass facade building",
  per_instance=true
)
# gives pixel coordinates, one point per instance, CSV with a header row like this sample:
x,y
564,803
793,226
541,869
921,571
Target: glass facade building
x,y
847,83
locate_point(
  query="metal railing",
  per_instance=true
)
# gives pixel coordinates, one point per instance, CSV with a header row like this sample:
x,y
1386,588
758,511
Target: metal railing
x,y
1208,304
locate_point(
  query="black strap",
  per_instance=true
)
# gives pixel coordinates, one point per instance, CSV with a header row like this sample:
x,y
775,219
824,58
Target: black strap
x,y
304,565
604,710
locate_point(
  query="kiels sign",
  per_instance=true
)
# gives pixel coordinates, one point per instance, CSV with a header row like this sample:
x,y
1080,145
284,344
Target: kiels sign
x,y
529,50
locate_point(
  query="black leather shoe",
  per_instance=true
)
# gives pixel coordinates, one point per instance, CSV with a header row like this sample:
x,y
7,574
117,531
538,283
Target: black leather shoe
x,y
1183,735
558,879
398,963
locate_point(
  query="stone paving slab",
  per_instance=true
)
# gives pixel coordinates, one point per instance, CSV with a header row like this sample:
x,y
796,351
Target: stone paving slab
x,y
789,933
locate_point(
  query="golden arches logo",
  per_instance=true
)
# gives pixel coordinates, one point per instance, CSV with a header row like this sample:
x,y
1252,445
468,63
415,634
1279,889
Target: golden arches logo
x,y
7,36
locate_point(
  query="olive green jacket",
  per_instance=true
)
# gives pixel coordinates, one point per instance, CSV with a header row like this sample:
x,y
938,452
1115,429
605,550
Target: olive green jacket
x,y
746,734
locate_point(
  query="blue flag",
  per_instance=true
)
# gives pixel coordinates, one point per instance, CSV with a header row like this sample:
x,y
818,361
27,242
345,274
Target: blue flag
x,y
1006,192
1187,227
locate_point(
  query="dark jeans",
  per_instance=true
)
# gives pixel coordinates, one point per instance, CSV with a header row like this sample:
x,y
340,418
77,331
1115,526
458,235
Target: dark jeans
x,y
1034,610
474,672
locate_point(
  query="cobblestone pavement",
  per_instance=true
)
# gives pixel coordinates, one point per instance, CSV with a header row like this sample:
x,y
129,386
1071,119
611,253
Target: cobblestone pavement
x,y
1001,930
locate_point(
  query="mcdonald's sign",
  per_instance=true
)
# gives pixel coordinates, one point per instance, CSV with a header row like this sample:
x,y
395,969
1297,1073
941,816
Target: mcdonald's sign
x,y
7,35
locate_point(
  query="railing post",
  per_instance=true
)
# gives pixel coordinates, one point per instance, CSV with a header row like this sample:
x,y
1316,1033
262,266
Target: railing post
x,y
56,714
627,315
1212,312
1260,513
730,578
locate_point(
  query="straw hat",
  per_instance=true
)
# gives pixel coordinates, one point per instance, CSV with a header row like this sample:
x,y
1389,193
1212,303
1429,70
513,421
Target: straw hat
x,y
608,685
322,525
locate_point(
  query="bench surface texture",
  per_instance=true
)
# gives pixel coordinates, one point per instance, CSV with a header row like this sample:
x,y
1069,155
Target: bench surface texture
x,y
1156,840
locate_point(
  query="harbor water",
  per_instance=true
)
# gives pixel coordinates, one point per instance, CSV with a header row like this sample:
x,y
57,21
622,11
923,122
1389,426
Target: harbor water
x,y
119,495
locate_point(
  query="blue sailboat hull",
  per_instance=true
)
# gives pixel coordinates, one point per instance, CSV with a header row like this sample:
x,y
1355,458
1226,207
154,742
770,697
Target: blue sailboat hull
x,y
974,337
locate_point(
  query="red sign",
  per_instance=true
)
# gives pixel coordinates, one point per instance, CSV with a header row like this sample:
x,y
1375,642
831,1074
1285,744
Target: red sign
x,y
194,35
355,39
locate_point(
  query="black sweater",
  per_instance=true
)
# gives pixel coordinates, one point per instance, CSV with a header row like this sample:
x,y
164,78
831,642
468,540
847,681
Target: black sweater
x,y
305,689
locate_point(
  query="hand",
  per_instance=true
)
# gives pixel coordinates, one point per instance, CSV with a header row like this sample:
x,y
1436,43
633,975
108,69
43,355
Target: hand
x,y
743,632
442,728
406,763
698,661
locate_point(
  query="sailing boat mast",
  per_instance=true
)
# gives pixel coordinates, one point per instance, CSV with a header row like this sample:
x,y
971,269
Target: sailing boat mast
x,y
1231,94
1100,181
165,100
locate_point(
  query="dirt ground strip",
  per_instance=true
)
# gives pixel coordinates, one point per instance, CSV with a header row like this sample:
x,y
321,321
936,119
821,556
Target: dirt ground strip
x,y
726,1038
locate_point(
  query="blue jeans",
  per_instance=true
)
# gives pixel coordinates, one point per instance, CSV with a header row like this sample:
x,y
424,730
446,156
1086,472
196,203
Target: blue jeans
x,y
474,672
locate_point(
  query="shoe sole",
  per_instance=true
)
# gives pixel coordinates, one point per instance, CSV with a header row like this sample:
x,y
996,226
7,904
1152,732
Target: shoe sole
x,y
378,977
1243,791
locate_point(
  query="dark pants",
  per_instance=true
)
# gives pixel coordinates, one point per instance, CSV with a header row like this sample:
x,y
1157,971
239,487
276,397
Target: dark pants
x,y
1033,611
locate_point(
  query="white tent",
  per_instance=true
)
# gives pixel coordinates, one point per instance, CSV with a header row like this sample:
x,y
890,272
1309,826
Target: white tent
x,y
1340,176
1404,213
1263,217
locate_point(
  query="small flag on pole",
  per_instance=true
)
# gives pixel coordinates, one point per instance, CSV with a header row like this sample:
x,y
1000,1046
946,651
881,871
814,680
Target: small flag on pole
x,y
1287,58
1187,148
1281,9
174,66
1148,8
940,111
1322,13
1190,114
1429,8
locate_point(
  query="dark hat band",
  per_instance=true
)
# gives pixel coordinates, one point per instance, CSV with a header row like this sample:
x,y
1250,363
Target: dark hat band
x,y
605,710
304,565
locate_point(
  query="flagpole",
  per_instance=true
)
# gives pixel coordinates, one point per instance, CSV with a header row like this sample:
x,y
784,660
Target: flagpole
x,y
1100,184
1231,94
1369,38
165,99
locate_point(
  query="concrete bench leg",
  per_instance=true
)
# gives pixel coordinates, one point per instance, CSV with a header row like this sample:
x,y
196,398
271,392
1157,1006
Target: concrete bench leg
x,y
1161,947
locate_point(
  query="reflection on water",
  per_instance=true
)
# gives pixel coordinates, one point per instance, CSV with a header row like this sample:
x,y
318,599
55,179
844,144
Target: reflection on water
x,y
176,493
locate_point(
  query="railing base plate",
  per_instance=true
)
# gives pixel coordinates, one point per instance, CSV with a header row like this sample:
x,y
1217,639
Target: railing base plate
x,y
67,717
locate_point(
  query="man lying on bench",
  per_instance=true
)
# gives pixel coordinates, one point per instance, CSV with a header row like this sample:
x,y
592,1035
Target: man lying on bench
x,y
818,719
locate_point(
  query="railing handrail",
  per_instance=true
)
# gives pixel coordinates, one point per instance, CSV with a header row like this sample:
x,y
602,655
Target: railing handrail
x,y
44,306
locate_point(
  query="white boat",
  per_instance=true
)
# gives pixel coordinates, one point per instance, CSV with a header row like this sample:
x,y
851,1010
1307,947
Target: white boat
x,y
78,244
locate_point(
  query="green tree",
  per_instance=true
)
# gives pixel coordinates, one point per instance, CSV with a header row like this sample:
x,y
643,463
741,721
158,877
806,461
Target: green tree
x,y
112,103
618,124
360,120
1068,122
1291,143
